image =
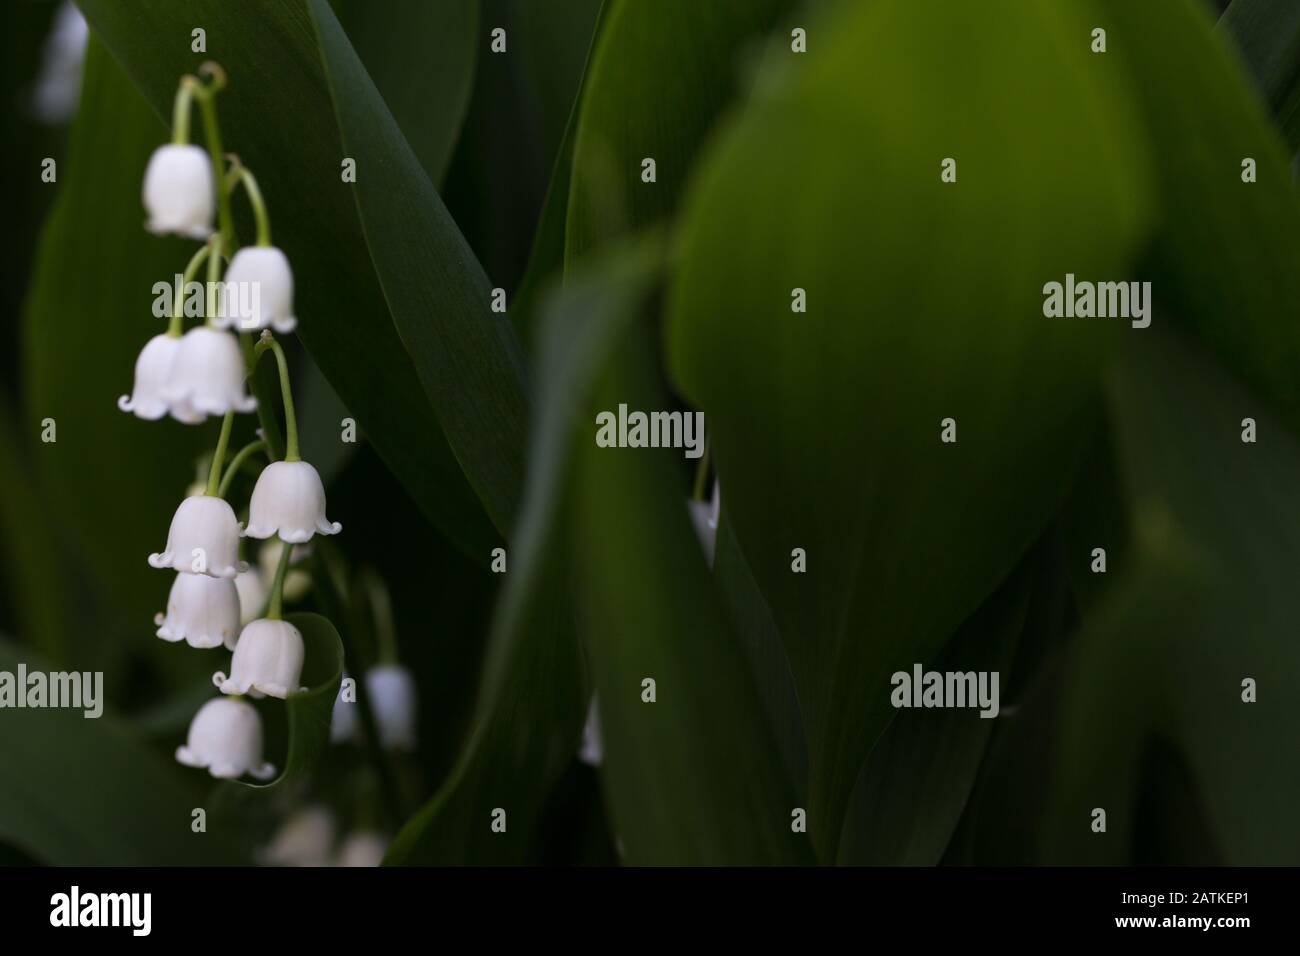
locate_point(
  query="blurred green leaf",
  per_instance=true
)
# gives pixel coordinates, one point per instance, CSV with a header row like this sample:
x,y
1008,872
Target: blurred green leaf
x,y
826,424
86,792
659,75
1223,262
272,59
467,356
915,784
694,777
1267,32
111,480
410,47
1209,600
535,694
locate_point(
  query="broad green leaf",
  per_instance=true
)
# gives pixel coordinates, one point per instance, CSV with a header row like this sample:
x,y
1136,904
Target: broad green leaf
x,y
111,480
694,776
466,355
924,302
658,78
915,784
535,692
278,116
1223,261
1209,601
29,557
413,47
1267,32
78,791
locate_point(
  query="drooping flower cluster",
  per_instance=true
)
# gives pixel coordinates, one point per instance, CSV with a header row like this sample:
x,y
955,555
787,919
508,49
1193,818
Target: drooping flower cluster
x,y
216,600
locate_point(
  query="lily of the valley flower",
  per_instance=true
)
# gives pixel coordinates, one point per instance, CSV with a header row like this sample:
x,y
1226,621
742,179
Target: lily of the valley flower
x,y
267,661
226,737
151,370
203,539
203,611
592,751
305,839
363,848
391,690
206,377
268,268
179,191
289,500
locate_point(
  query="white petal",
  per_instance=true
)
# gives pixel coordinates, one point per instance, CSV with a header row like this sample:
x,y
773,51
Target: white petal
x,y
151,370
289,500
179,191
225,736
207,376
260,291
202,610
203,539
268,659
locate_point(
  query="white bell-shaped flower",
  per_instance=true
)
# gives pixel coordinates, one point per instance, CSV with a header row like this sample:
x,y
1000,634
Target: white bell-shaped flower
x,y
363,848
704,515
226,737
207,376
391,690
151,370
305,839
263,282
289,500
203,539
253,594
267,661
203,611
179,191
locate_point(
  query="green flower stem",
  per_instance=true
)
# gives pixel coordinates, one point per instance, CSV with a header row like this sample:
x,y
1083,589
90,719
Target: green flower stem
x,y
214,278
218,456
241,456
265,416
273,610
702,473
241,174
206,96
178,306
181,110
268,342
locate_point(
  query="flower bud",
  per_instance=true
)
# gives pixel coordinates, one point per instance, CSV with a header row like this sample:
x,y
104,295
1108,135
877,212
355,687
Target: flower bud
x,y
305,839
203,611
363,848
179,191
391,690
203,539
267,661
226,738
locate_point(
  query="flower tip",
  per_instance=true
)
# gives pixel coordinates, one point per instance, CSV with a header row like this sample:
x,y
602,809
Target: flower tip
x,y
265,772
160,559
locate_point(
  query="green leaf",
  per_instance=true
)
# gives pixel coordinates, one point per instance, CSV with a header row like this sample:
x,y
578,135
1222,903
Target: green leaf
x,y
1267,32
272,59
87,792
826,424
672,65
114,478
916,782
410,47
467,356
1207,601
694,776
1223,260
535,692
